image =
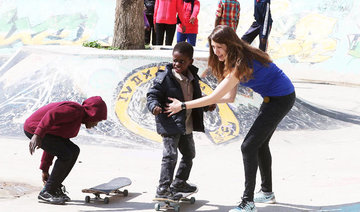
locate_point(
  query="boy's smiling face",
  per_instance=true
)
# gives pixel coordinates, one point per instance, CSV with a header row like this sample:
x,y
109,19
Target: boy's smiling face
x,y
181,62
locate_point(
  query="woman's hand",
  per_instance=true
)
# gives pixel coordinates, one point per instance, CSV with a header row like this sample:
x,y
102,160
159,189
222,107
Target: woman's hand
x,y
173,107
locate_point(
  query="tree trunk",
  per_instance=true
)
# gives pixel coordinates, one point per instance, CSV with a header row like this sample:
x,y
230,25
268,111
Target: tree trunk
x,y
129,24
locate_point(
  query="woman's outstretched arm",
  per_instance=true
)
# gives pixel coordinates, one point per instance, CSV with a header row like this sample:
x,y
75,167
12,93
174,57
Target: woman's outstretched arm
x,y
224,92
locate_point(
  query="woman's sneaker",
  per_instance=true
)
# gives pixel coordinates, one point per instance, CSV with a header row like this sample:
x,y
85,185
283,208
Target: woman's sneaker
x,y
264,197
245,206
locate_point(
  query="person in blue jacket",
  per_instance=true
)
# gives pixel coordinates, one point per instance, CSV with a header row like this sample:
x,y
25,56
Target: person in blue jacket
x,y
235,62
262,24
178,80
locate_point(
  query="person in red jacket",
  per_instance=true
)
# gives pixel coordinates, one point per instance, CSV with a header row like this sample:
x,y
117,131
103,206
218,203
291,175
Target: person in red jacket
x,y
50,128
191,11
165,19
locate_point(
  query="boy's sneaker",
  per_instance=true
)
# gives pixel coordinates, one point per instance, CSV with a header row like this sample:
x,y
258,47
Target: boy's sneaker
x,y
244,206
50,198
61,192
162,192
183,187
264,197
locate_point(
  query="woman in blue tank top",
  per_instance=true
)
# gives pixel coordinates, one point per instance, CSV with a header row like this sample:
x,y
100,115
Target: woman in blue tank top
x,y
234,62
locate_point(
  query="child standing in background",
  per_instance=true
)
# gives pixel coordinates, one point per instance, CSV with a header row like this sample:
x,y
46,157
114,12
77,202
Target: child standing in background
x,y
165,19
228,13
262,24
191,11
150,34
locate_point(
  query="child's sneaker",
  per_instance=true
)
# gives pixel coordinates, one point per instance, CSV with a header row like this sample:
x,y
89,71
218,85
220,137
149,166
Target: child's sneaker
x,y
61,192
264,197
50,198
162,192
244,206
183,187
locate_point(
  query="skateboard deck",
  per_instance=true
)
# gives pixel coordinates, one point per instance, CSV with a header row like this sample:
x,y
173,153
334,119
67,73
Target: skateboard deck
x,y
110,188
167,203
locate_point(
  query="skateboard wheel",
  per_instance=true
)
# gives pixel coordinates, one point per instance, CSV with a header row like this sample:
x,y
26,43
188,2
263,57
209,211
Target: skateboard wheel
x,y
106,200
176,208
192,200
157,207
126,193
87,199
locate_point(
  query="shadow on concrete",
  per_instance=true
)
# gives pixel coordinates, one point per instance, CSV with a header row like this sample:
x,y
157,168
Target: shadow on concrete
x,y
279,207
200,203
286,207
117,203
330,113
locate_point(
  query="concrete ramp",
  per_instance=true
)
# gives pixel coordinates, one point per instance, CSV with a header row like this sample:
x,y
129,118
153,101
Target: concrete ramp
x,y
38,75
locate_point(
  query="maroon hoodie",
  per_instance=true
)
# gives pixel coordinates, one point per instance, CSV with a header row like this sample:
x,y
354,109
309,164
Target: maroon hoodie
x,y
64,119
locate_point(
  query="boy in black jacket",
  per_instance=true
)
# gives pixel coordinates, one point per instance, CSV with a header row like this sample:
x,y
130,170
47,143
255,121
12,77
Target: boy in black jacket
x,y
179,80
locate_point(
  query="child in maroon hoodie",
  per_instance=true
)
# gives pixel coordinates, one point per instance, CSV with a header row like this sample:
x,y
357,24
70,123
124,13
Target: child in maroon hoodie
x,y
51,128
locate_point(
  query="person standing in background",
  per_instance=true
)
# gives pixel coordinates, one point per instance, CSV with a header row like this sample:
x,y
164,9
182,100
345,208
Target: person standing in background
x,y
191,11
165,19
150,4
228,13
262,24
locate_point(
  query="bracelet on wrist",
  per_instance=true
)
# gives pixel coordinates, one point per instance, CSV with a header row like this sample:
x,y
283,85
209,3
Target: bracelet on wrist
x,y
183,106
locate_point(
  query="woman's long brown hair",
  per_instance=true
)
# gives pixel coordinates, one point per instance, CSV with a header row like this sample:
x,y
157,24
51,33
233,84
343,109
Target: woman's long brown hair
x,y
240,55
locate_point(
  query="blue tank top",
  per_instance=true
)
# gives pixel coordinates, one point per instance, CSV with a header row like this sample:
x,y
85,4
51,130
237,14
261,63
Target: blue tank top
x,y
269,81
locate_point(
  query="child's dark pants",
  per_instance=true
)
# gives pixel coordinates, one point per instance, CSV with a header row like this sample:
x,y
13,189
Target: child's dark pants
x,y
162,30
66,152
186,146
255,30
255,148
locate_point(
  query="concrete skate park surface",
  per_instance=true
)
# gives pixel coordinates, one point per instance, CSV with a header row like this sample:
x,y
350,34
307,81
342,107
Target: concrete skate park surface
x,y
315,149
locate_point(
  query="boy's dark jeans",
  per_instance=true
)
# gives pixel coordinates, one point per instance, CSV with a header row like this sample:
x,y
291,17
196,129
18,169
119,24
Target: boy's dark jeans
x,y
255,148
186,146
66,152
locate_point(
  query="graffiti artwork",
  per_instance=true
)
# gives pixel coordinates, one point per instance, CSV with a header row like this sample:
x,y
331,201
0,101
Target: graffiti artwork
x,y
66,29
227,127
317,35
354,43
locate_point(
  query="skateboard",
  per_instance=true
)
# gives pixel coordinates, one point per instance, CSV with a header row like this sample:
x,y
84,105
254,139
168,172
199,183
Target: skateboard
x,y
110,188
167,204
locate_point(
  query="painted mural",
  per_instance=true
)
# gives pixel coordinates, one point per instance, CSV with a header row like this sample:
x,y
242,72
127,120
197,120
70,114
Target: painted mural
x,y
35,78
59,22
324,34
321,34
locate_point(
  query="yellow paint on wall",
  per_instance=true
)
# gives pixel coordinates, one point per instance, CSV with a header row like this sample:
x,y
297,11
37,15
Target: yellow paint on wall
x,y
123,101
41,38
228,129
314,27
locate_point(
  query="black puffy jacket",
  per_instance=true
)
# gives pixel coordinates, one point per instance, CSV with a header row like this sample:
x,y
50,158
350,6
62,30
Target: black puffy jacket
x,y
165,85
